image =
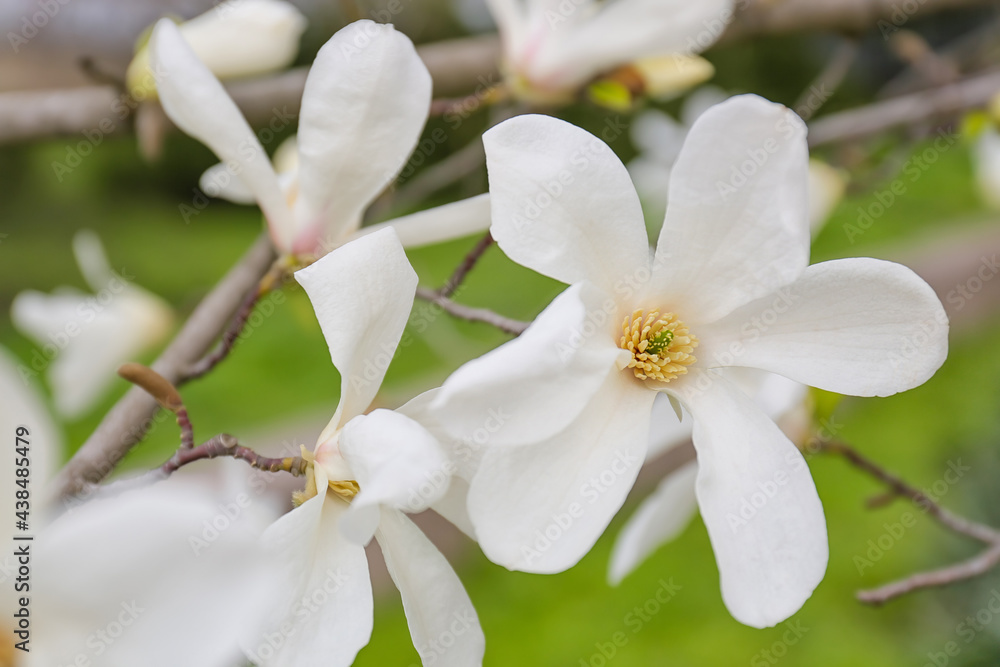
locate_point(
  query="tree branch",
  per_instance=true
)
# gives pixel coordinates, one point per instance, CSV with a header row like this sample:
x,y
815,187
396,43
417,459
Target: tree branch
x,y
128,421
932,104
505,324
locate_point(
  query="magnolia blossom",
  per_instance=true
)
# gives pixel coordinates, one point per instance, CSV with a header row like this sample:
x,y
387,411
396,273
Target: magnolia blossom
x,y
366,471
84,338
659,139
365,103
553,49
665,513
237,38
729,285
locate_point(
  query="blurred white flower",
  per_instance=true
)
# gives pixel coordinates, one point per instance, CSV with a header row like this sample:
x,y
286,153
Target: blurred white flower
x,y
986,164
159,576
84,338
551,49
659,138
367,471
365,103
729,286
237,38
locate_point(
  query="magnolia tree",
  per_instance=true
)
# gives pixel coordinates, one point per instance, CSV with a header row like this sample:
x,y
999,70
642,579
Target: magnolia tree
x,y
690,358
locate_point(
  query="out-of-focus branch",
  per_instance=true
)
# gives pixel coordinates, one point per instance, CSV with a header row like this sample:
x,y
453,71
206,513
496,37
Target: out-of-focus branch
x,y
931,104
505,324
127,422
457,66
775,17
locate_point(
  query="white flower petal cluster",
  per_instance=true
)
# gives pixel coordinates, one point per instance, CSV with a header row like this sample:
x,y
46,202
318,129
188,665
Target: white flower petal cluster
x,y
368,469
729,286
552,48
365,103
84,338
234,39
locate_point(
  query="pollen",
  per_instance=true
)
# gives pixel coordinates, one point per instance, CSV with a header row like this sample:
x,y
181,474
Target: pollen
x,y
661,345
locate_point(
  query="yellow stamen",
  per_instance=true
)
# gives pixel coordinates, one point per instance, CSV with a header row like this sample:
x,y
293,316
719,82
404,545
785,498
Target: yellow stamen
x,y
346,489
661,345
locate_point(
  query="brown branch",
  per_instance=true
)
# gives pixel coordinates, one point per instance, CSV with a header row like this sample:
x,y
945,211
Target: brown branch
x,y
974,567
127,422
968,569
778,17
933,104
469,263
505,324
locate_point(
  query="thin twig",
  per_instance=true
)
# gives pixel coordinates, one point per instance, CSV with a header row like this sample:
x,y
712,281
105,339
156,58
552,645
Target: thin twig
x,y
974,567
928,105
466,266
126,424
505,324
828,80
901,488
968,569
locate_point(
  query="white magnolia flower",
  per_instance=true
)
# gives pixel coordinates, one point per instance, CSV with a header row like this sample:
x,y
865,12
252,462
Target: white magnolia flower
x,y
659,139
552,49
665,513
119,581
986,163
84,338
368,470
729,285
365,103
234,39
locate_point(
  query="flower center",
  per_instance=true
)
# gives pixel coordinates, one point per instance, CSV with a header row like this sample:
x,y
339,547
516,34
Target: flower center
x,y
661,345
346,489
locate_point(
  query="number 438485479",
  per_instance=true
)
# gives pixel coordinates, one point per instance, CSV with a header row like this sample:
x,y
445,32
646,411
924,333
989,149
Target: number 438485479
x,y
22,470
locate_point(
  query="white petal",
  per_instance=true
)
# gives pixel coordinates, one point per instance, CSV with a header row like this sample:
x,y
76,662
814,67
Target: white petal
x,y
535,385
541,507
195,100
146,568
700,101
729,238
666,430
759,504
563,203
326,614
396,462
986,160
572,47
442,621
660,518
246,37
362,293
441,223
863,327
92,260
365,103
826,188
84,338
219,181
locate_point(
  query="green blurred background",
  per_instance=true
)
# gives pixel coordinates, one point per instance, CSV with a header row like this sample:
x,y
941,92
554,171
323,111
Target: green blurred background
x,y
280,376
